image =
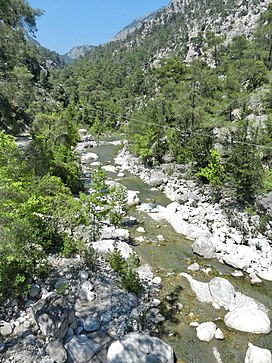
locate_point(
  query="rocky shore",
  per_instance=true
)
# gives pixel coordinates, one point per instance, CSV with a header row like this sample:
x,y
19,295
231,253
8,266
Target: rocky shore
x,y
234,239
80,314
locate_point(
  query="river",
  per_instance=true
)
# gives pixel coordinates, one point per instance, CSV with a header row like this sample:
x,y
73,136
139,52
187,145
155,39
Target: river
x,y
171,257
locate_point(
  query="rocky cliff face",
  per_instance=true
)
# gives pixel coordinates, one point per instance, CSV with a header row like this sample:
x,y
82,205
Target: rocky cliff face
x,y
77,52
182,21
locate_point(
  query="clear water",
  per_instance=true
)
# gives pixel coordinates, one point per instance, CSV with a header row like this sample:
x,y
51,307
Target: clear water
x,y
173,256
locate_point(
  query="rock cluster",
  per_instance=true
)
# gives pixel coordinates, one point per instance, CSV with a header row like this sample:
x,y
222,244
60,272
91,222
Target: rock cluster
x,y
213,233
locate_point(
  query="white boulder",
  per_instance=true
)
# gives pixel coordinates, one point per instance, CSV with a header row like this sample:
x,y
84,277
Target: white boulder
x,y
248,319
108,245
257,355
132,198
205,331
138,348
222,292
204,247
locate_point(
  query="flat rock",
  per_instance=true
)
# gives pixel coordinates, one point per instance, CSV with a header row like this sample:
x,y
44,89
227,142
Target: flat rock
x,y
257,355
56,351
81,349
248,319
138,348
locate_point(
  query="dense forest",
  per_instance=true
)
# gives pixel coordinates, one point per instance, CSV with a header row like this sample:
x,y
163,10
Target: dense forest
x,y
212,113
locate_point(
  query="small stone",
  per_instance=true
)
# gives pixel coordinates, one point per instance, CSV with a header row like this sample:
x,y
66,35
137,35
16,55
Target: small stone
x,y
159,319
205,331
237,273
34,290
27,324
2,347
254,279
121,175
140,230
179,306
193,267
157,280
106,317
194,324
219,334
30,339
81,349
91,324
171,298
154,303
83,274
160,238
5,328
140,239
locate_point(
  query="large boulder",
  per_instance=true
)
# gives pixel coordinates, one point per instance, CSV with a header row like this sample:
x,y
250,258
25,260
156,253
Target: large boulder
x,y
241,257
139,348
248,319
222,292
204,247
108,245
53,315
157,178
257,355
264,204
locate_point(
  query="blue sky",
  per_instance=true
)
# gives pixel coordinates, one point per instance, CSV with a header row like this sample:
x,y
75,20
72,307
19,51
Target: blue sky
x,y
67,23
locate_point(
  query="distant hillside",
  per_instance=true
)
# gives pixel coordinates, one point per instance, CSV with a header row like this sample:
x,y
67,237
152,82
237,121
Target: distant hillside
x,y
77,52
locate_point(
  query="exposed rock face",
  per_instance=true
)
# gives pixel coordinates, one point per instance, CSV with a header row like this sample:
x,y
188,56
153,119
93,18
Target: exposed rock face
x,y
139,347
228,19
77,52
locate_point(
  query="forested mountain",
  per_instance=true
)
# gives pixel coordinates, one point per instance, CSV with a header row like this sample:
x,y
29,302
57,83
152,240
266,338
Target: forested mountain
x,y
191,83
194,76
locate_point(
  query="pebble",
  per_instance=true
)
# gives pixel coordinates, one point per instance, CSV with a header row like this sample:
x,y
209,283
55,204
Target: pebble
x,y
237,273
34,290
83,274
140,230
157,280
219,334
193,267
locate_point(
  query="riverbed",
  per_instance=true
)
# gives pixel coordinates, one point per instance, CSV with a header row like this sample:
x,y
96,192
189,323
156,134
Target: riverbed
x,y
171,257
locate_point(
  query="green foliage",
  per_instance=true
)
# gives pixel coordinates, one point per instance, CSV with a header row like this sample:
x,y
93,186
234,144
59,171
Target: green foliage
x,y
267,183
244,170
129,279
213,171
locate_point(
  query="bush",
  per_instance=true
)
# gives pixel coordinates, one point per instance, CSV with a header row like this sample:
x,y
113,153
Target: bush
x,y
129,279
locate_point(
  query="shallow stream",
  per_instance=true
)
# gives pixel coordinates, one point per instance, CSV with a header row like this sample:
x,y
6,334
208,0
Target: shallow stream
x,y
171,257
